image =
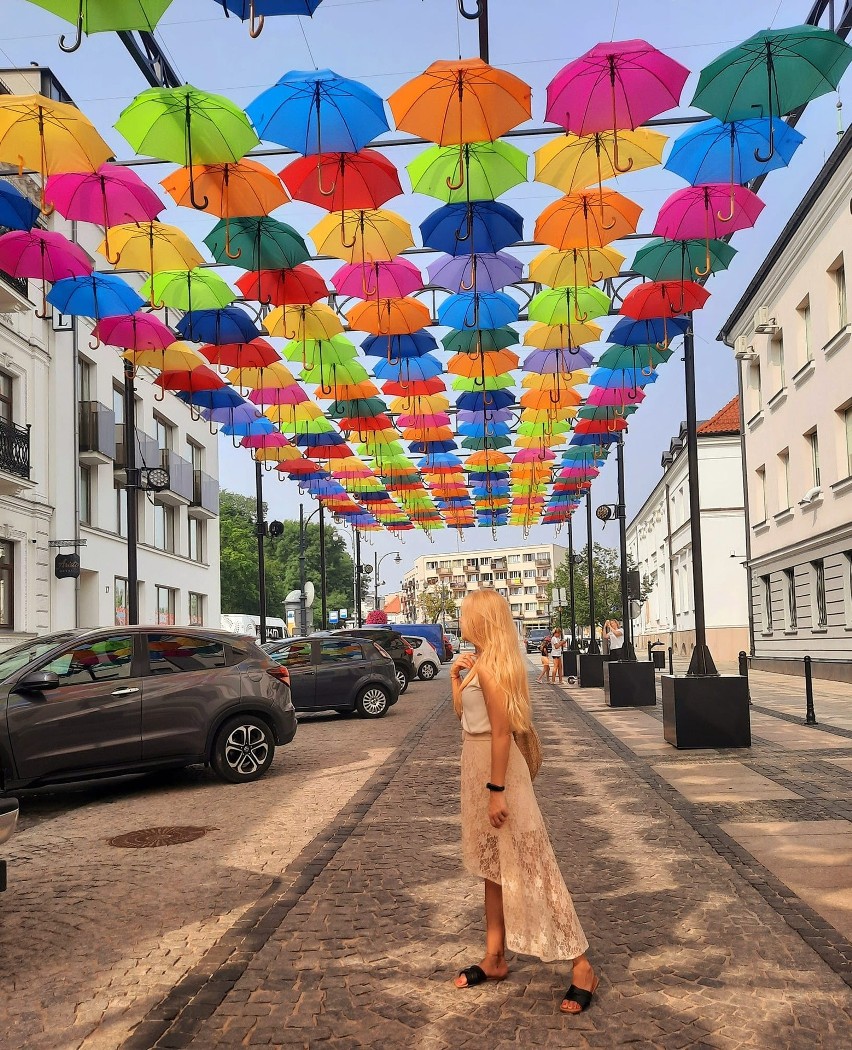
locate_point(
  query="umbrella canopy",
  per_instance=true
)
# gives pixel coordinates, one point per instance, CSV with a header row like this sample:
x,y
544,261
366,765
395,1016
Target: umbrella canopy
x,y
494,363
220,397
477,339
17,212
190,380
409,368
586,219
150,246
715,152
470,171
241,187
138,331
301,322
478,310
634,357
390,317
256,11
574,163
298,285
561,305
698,211
655,331
663,299
257,243
574,267
478,272
94,295
479,226
343,181
385,279
227,325
175,357
461,101
42,255
257,353
562,336
565,361
662,260
414,344
105,17
362,236
189,290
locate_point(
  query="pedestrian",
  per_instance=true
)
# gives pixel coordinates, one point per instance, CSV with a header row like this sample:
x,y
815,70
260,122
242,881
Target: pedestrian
x,y
614,634
528,908
557,648
545,662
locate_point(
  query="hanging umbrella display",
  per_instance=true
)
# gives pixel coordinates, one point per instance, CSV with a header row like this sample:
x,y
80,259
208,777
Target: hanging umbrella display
x,y
343,181
188,380
663,299
700,212
654,331
188,127
229,324
298,285
49,137
634,357
138,331
478,310
573,162
257,354
176,357
467,172
390,317
218,397
562,336
94,295
257,243
319,112
478,339
189,290
771,74
662,260
414,344
43,256
495,363
478,273
587,219
461,101
384,279
565,305
574,267
300,323
409,368
105,16
613,86
17,212
362,236
565,361
150,247
256,11
465,229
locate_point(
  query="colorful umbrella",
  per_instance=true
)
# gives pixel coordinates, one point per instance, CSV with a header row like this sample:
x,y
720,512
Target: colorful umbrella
x,y
173,358
17,212
479,226
479,272
138,331
713,151
227,325
255,11
471,171
343,181
662,260
301,322
590,218
255,354
362,236
105,16
645,358
574,267
656,332
494,363
574,163
319,111
696,212
43,256
478,339
663,299
257,243
559,360
562,336
95,295
150,247
413,344
299,285
477,310
189,290
392,279
565,305
390,317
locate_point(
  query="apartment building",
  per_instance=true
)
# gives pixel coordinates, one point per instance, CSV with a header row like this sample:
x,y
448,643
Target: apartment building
x,y
521,575
792,339
659,540
62,457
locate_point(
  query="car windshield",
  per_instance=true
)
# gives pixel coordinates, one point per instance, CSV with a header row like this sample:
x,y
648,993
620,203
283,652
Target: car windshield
x,y
29,652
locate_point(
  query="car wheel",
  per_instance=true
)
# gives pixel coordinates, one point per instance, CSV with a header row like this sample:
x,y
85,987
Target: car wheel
x,y
373,702
427,671
243,749
402,680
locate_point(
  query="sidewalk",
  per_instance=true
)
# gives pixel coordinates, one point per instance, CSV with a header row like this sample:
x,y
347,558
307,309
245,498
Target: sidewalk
x,y
697,943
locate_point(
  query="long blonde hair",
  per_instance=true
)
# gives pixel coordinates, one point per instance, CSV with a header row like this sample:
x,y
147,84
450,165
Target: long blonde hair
x,y
486,622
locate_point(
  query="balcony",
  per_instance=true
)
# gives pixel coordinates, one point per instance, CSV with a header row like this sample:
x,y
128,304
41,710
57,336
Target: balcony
x,y
14,458
542,577
13,292
97,433
147,450
205,496
498,563
471,567
181,482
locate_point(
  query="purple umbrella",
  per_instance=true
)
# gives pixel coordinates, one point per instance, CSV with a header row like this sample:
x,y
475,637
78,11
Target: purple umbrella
x,y
481,272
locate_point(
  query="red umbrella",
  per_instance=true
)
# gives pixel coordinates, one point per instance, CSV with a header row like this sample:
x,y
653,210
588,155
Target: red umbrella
x,y
44,256
201,378
255,354
414,386
599,426
663,299
342,181
299,286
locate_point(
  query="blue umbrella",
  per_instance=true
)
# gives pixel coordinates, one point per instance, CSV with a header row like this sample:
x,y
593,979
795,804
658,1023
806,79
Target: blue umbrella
x,y
94,295
483,429
312,440
478,273
593,439
440,460
228,325
318,111
419,448
464,229
478,310
255,10
653,331
248,427
395,347
221,397
485,400
621,377
717,152
424,367
16,211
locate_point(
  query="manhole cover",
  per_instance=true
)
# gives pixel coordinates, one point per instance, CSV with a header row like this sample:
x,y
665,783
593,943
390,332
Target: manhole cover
x,y
148,838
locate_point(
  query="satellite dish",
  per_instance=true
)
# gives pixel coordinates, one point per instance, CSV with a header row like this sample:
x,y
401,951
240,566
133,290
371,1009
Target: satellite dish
x,y
310,592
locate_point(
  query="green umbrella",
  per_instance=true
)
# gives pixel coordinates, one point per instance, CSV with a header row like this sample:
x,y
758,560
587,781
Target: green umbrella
x,y
357,406
603,412
478,444
329,373
472,340
564,305
257,243
771,74
335,351
471,171
189,290
644,357
189,127
105,16
483,382
538,429
663,260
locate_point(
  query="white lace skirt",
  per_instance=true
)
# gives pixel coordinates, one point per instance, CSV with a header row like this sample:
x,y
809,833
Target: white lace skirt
x,y
537,907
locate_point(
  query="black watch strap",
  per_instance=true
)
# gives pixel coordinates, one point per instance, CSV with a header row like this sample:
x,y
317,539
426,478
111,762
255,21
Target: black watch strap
x,y
495,787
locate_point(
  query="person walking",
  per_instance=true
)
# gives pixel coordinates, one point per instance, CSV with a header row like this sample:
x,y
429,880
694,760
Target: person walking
x,y
545,662
557,649
528,908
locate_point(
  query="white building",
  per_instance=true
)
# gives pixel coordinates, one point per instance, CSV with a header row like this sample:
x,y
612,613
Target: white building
x,y
659,541
61,454
792,338
521,575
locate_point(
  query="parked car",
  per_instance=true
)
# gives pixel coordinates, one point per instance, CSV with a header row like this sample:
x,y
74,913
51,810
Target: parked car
x,y
448,647
426,662
455,641
338,672
394,644
8,820
432,632
535,636
93,703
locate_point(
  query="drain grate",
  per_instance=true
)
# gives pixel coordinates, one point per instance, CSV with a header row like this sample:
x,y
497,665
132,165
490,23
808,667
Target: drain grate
x,y
149,838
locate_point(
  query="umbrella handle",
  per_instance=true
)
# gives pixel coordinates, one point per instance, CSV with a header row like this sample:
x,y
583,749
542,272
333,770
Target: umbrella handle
x,y
451,185
343,241
707,261
475,323
469,231
463,285
43,315
619,169
729,216
255,22
202,206
94,345
78,39
365,288
161,395
228,252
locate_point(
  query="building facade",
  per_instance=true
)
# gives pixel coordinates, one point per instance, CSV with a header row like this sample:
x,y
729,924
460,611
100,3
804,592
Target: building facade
x,y
522,575
62,442
792,338
658,539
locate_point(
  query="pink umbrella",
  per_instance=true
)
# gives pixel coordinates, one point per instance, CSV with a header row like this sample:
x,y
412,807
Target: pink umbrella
x,y
383,280
108,197
532,455
44,256
137,331
578,473
279,395
438,419
274,439
696,212
615,85
617,395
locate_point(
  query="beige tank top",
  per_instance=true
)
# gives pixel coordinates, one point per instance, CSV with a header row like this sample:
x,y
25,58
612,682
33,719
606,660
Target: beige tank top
x,y
474,712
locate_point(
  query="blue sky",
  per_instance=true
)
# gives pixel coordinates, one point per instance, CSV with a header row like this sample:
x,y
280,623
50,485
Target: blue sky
x,y
385,43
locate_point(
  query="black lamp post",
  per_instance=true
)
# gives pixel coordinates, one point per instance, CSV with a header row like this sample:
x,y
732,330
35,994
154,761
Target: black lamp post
x,y
377,561
591,663
574,647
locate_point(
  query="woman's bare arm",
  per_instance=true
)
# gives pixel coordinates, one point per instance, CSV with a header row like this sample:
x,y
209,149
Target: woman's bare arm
x,y
501,742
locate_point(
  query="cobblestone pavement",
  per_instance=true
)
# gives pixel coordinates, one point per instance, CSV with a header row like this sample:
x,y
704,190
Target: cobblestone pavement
x,y
92,937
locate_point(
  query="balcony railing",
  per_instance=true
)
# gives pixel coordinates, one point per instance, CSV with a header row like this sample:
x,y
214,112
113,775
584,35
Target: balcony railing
x,y
205,493
15,449
181,481
97,430
147,449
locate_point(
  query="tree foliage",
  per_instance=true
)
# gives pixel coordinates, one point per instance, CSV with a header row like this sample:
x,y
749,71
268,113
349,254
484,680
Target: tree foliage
x,y
436,603
239,578
607,580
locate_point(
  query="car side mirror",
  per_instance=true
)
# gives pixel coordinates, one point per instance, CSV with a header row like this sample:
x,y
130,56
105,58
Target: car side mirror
x,y
38,681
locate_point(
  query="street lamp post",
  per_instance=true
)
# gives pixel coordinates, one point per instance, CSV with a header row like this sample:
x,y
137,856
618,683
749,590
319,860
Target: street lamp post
x,y
627,651
357,545
574,646
377,561
594,648
303,524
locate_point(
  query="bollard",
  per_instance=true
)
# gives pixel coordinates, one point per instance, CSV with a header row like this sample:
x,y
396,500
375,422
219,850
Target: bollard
x,y
671,660
810,714
743,660
650,651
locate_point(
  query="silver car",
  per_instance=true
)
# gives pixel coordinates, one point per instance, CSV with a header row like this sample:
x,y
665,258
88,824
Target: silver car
x,y
426,662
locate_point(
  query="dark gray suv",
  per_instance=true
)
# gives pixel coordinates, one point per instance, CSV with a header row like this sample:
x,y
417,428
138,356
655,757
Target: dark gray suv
x,y
83,704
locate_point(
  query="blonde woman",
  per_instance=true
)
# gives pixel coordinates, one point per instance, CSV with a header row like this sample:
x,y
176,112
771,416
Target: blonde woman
x,y
528,908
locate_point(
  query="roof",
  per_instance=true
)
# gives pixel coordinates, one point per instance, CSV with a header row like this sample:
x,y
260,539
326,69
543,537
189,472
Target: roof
x,y
726,420
393,604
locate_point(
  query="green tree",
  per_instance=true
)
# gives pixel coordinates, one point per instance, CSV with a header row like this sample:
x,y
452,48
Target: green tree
x,y
436,603
607,576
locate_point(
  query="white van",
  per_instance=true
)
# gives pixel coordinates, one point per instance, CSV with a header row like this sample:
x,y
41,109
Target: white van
x,y
246,624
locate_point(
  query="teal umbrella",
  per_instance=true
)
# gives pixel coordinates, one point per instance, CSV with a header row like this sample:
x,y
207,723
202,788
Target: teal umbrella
x,y
664,260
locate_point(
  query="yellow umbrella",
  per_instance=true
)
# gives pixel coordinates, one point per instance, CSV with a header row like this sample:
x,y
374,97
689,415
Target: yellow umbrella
x,y
556,381
539,440
559,336
573,162
303,322
177,357
291,415
275,374
49,137
368,235
427,404
574,267
552,412
150,247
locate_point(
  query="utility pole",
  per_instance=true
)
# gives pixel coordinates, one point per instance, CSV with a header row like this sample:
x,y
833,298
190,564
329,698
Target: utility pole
x,y
323,587
303,609
627,652
594,648
260,532
131,488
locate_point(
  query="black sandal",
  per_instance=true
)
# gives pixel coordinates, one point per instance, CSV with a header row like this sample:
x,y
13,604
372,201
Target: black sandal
x,y
582,996
475,975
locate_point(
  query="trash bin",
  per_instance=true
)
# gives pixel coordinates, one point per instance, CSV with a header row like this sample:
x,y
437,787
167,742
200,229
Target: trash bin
x,y
659,659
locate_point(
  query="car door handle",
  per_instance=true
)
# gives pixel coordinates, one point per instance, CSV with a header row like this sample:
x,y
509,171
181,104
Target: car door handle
x,y
124,692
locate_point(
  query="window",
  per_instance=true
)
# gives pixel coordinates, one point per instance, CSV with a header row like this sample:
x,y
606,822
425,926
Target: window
x,y
784,479
776,356
847,587
790,596
296,655
168,653
196,455
529,574
118,403
514,559
336,650
196,609
85,379
163,434
5,398
119,595
529,557
85,495
847,433
196,539
838,274
7,585
760,495
756,387
820,612
804,312
766,586
165,605
104,660
813,446
164,527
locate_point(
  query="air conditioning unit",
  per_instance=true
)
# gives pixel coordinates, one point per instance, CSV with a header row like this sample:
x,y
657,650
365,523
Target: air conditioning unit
x,y
764,322
761,316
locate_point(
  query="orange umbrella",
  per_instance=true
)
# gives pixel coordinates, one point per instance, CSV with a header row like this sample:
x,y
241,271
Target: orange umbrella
x,y
588,219
491,363
349,391
390,317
